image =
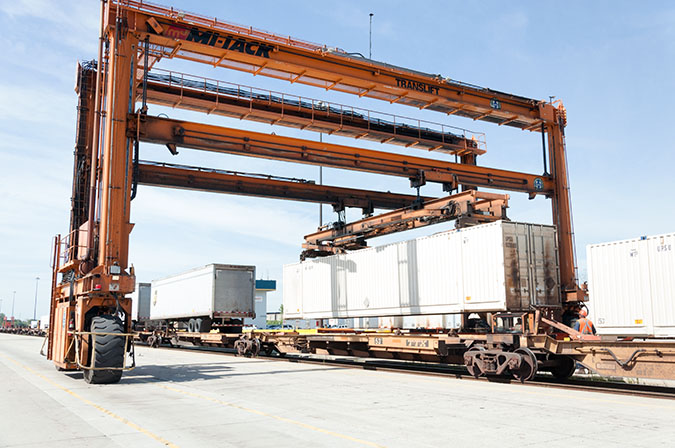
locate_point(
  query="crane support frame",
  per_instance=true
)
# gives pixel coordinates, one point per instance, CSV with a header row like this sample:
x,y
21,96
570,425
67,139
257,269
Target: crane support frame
x,y
201,39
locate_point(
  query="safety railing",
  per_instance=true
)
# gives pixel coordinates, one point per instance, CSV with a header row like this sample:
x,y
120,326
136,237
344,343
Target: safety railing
x,y
66,249
396,125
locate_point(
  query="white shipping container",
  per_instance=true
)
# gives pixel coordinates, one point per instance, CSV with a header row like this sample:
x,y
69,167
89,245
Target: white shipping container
x,y
492,267
632,286
215,290
140,302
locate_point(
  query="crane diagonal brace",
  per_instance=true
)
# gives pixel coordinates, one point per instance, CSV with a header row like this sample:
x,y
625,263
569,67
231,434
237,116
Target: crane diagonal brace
x,y
269,146
472,207
218,182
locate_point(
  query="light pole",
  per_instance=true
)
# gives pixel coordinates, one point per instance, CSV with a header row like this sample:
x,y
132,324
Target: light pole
x,y
37,280
370,38
13,298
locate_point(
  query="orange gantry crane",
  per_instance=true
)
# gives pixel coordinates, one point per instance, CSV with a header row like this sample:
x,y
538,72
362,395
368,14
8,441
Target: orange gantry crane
x,y
90,327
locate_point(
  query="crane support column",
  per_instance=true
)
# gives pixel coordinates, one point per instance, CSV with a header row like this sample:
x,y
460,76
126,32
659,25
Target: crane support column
x,y
562,212
117,150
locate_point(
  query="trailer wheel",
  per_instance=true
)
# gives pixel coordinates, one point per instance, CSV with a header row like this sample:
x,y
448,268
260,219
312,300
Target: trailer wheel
x,y
203,325
109,350
191,326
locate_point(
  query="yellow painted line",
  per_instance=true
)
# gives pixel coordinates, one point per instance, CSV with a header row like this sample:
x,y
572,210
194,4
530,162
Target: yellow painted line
x,y
532,390
94,405
276,417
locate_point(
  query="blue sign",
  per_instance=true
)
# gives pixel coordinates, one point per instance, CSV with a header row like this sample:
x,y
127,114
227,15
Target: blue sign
x,y
538,184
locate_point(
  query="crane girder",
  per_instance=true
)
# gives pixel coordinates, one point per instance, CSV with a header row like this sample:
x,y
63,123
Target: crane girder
x,y
177,133
191,178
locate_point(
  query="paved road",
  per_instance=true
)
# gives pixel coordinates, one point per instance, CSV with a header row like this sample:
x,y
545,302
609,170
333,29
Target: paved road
x,y
196,399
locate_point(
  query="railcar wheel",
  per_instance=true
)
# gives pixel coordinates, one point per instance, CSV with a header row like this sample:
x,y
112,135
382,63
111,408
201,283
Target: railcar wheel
x,y
528,365
565,368
107,352
473,368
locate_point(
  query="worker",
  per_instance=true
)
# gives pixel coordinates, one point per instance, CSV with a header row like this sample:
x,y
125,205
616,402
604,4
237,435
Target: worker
x,y
584,325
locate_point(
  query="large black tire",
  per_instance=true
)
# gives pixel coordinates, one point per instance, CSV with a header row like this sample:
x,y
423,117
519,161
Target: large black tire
x,y
191,326
203,324
109,350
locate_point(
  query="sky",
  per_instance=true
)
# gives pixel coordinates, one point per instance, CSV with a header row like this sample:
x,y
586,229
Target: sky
x,y
612,63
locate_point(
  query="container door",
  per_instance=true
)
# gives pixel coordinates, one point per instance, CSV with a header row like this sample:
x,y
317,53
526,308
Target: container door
x,y
408,283
292,291
144,290
234,291
543,266
342,267
618,279
662,282
518,256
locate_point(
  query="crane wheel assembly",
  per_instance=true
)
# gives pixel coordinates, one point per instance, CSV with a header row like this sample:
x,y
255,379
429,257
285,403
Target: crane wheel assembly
x,y
107,345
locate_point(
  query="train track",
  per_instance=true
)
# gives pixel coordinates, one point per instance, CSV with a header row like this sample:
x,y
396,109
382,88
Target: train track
x,y
543,380
597,384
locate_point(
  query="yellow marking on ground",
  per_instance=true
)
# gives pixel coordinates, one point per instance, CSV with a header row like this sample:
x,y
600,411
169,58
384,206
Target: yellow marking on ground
x,y
276,417
94,405
523,390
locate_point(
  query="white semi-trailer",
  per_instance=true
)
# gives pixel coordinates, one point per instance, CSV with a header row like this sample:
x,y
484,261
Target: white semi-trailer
x,y
214,296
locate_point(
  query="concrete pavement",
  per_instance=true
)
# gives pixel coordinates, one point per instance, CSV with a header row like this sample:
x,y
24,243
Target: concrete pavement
x,y
193,399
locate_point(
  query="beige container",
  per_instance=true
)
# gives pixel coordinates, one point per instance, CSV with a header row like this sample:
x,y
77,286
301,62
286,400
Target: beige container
x,y
492,267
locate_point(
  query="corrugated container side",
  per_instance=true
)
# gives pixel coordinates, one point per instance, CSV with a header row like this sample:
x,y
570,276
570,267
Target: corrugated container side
x,y
662,283
449,272
483,267
618,278
183,295
319,287
439,270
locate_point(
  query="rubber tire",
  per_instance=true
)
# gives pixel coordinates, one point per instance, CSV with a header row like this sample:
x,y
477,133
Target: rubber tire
x,y
203,325
191,326
109,350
